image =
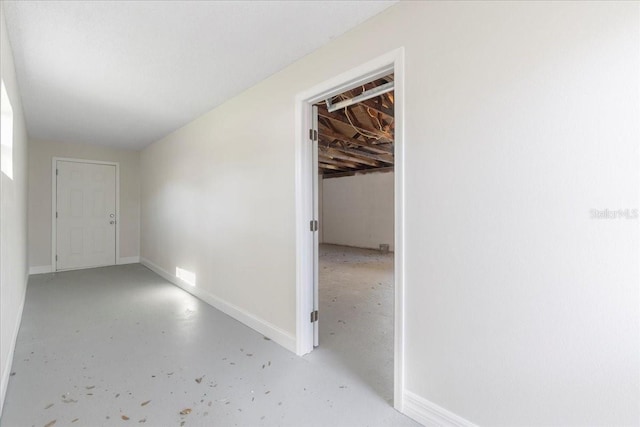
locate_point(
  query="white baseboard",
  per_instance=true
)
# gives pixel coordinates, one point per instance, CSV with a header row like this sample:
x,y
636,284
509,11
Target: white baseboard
x,y
40,269
265,328
429,414
6,373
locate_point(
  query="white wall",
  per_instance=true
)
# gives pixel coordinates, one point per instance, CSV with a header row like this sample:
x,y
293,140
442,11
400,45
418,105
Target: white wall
x,y
41,154
520,118
358,210
320,209
13,221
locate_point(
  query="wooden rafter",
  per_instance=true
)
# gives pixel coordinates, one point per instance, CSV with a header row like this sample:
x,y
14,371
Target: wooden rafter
x,y
329,167
363,141
339,117
381,149
333,153
339,163
383,158
355,172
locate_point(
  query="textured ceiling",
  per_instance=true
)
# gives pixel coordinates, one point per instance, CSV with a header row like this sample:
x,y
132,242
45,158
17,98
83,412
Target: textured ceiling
x,y
125,74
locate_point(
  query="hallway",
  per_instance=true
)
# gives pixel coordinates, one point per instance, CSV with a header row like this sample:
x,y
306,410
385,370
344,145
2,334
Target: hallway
x,y
115,344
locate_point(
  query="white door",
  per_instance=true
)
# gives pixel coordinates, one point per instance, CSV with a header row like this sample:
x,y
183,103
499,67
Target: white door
x,y
85,215
316,245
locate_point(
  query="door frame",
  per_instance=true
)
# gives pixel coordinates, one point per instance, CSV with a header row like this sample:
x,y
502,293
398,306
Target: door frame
x,y
54,204
392,62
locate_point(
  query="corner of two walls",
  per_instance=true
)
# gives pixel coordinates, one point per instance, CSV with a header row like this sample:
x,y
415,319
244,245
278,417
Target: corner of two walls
x,y
358,210
13,220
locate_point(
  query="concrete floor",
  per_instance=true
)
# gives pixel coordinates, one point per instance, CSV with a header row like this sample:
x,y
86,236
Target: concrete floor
x,y
120,345
356,314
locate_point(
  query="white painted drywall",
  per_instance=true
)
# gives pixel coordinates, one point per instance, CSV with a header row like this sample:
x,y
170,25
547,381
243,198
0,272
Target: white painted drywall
x,y
41,154
320,208
358,210
520,117
13,221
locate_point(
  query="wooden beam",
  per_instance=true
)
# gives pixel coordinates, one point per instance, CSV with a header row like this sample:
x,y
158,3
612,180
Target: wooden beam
x,y
390,96
346,165
385,158
330,167
378,107
372,119
336,153
358,172
339,136
374,103
322,112
377,121
323,165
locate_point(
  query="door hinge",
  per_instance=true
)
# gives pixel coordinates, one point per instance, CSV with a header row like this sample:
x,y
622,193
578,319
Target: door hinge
x,y
56,214
313,225
313,134
314,316
56,257
56,172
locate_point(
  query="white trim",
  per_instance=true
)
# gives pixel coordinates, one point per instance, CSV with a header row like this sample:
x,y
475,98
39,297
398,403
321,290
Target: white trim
x,y
399,197
429,414
54,197
267,329
12,347
392,62
128,260
40,269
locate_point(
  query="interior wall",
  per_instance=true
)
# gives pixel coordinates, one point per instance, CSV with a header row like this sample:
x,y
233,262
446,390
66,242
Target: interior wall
x,y
358,210
520,117
13,220
41,154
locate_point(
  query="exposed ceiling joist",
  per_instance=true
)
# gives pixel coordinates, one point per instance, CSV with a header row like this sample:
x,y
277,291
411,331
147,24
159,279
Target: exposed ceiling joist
x,y
378,107
339,154
359,137
339,117
356,172
329,167
339,163
380,149
384,158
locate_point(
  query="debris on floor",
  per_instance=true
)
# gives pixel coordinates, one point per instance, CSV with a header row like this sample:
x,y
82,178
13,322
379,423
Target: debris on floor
x,y
171,377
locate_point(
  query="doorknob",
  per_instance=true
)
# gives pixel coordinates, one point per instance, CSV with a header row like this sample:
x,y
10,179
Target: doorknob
x,y
112,222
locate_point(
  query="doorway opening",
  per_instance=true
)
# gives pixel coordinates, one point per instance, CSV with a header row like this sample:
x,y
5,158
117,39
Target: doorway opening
x,y
355,156
350,155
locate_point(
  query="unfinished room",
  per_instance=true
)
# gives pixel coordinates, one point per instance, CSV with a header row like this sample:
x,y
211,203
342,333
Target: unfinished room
x,y
319,213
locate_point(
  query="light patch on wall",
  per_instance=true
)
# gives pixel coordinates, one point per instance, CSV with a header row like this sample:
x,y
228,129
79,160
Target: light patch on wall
x,y
186,276
6,136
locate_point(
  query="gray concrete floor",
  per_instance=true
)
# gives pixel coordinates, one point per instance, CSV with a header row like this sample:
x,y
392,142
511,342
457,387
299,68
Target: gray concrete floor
x,y
356,314
120,345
